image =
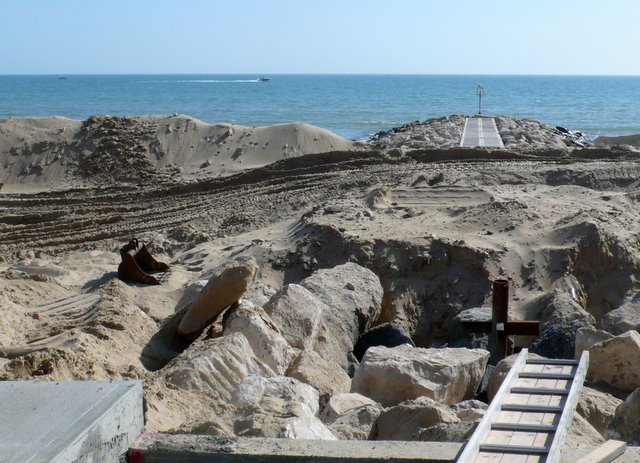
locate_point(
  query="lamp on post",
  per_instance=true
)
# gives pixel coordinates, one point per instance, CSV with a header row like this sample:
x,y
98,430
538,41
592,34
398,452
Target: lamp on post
x,y
480,92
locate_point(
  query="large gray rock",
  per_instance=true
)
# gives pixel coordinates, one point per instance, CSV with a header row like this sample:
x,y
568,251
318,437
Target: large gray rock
x,y
298,315
560,318
598,408
325,376
215,366
353,295
624,318
461,337
392,375
626,423
448,432
358,423
265,340
225,287
278,407
586,338
341,404
501,371
407,420
470,410
582,434
616,362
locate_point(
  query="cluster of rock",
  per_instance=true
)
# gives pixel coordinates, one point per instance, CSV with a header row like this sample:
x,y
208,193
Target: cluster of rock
x,y
446,132
441,132
287,369
533,134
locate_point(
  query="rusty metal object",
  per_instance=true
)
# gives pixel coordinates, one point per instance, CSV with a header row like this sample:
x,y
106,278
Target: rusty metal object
x,y
137,263
499,327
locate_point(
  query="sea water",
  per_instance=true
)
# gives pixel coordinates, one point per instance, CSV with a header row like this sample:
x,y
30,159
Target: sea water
x,y
353,106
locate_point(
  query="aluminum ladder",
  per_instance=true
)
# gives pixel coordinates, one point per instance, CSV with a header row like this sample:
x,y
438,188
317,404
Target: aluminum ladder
x,y
528,419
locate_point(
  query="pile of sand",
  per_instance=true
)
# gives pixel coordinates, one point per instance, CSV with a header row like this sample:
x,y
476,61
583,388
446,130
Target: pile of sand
x,y
626,140
39,154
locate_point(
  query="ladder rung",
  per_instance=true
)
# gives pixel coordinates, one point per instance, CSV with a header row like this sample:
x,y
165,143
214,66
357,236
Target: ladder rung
x,y
526,374
531,408
524,427
538,390
521,449
552,362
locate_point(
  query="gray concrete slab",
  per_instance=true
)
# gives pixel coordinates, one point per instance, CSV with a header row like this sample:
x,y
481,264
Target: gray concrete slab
x,y
165,448
68,421
481,131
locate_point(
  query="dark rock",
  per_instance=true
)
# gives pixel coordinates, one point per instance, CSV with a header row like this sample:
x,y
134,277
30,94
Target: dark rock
x,y
387,334
560,318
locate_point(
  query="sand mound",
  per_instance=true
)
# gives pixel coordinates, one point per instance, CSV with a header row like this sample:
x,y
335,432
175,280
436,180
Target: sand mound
x,y
56,153
630,140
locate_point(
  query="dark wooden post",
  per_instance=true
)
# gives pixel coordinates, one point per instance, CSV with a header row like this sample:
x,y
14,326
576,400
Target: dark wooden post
x,y
499,327
500,316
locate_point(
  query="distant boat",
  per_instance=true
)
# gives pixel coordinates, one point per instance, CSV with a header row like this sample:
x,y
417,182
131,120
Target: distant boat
x,y
62,78
264,79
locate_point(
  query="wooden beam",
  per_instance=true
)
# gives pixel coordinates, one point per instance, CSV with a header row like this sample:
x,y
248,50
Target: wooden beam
x,y
606,453
525,328
500,328
477,326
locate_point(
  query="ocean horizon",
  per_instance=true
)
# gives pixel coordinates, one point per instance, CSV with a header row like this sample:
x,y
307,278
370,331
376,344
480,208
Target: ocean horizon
x,y
354,106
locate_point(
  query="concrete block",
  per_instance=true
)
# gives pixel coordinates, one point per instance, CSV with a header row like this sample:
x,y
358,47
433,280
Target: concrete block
x,y
170,448
69,421
165,448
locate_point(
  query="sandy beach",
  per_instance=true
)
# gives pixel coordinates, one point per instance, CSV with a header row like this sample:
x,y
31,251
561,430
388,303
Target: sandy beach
x,y
433,223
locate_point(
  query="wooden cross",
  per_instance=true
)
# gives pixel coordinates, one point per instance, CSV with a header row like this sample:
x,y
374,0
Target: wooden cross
x,y
499,326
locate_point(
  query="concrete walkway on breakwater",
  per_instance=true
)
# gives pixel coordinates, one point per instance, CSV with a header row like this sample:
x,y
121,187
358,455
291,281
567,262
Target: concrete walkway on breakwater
x,y
480,131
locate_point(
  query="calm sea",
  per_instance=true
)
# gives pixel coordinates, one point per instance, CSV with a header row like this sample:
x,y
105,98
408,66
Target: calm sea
x,y
354,106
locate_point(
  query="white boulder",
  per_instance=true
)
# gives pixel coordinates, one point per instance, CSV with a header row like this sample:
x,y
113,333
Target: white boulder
x,y
624,318
616,361
215,365
392,375
586,338
227,286
626,423
278,407
407,420
297,313
358,423
328,311
598,408
581,433
353,298
267,343
324,375
340,404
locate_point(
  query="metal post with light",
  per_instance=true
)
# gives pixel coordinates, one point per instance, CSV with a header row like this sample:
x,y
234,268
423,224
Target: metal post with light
x,y
480,93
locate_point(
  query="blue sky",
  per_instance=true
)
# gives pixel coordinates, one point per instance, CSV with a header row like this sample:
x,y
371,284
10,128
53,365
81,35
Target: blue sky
x,y
320,36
